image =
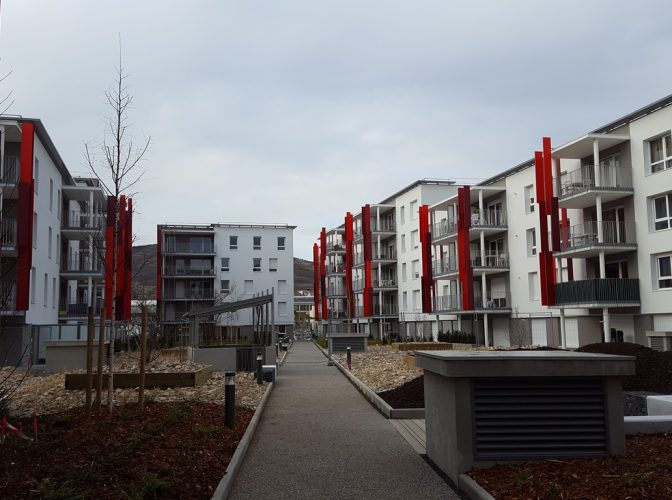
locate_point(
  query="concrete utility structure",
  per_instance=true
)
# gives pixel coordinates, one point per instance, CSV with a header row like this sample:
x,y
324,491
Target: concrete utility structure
x,y
55,245
569,248
484,407
202,266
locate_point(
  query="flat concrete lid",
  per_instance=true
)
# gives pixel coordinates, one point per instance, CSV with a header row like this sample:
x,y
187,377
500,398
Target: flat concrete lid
x,y
474,364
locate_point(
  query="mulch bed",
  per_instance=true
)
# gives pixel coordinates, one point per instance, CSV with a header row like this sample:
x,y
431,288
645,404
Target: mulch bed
x,y
174,450
653,373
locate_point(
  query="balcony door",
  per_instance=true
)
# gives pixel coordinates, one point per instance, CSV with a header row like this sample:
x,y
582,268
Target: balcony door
x,y
614,225
616,269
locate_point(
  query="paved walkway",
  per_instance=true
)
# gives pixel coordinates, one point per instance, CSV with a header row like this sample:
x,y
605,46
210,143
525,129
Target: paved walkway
x,y
319,438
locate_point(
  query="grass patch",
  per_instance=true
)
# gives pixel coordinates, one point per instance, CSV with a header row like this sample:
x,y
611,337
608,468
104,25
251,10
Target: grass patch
x,y
152,487
207,430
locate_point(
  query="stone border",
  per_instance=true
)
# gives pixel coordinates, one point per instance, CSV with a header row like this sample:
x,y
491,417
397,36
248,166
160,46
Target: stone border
x,y
226,483
472,489
379,403
650,424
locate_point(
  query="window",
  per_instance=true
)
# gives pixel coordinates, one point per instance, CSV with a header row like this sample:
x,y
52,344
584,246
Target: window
x,y
233,242
532,281
664,271
58,247
249,287
273,264
49,245
256,242
415,269
529,199
282,309
402,214
46,289
414,238
58,207
224,264
256,264
405,301
662,209
531,242
33,279
414,210
282,287
51,195
34,229
225,286
403,243
281,242
403,272
660,153
36,173
416,300
53,293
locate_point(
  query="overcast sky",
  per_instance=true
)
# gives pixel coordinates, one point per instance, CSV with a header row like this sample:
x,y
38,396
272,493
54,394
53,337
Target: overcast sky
x,y
296,111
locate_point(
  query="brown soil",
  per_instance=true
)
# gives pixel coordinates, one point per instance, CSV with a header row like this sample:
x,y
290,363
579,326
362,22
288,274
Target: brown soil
x,y
643,472
175,450
409,395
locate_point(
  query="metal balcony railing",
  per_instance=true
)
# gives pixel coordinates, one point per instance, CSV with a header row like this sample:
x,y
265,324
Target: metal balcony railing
x,y
385,310
385,226
335,246
189,294
77,307
78,220
334,290
446,227
493,301
8,297
196,247
357,233
81,262
488,218
335,268
359,311
387,253
385,283
187,271
608,178
444,266
11,171
7,233
358,259
336,314
598,291
358,285
594,233
492,260
447,303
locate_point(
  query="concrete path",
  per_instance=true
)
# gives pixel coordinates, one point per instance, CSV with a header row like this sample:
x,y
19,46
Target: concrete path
x,y
319,438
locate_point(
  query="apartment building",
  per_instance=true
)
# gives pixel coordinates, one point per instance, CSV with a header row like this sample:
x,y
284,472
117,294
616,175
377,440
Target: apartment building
x,y
368,271
569,248
204,265
55,244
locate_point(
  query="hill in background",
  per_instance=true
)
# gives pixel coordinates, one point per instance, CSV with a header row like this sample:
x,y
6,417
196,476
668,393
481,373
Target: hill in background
x,y
144,273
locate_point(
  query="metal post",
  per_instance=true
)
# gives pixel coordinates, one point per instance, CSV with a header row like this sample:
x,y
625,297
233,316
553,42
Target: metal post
x,y
273,333
349,356
260,374
230,399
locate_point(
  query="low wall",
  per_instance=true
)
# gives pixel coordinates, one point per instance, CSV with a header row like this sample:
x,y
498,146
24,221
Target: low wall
x,y
75,381
70,355
221,359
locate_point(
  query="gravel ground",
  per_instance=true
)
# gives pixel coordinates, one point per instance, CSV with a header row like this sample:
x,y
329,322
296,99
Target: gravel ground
x,y
47,394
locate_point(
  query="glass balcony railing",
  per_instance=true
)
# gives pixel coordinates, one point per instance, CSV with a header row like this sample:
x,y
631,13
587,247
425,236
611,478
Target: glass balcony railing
x,y
446,227
7,233
10,171
594,233
588,178
444,266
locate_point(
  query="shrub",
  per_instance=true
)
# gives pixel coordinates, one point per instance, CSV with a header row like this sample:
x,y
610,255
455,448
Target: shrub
x,y
457,337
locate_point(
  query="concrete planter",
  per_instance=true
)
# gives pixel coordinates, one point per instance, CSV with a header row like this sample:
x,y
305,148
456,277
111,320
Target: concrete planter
x,y
74,381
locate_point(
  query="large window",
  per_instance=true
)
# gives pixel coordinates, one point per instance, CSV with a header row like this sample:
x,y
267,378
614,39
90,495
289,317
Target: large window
x,y
529,199
233,242
403,272
660,153
281,242
403,243
662,212
256,242
415,269
402,214
531,242
249,287
225,286
664,271
414,238
256,264
533,289
273,264
225,263
414,210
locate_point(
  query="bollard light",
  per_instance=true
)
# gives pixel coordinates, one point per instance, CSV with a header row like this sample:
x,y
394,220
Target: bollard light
x,y
260,369
349,357
230,399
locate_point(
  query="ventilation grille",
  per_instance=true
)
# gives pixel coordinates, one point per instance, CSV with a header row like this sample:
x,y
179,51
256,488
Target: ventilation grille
x,y
341,344
520,419
657,343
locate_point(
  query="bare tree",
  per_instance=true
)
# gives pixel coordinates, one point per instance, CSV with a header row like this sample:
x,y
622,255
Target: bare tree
x,y
116,163
521,330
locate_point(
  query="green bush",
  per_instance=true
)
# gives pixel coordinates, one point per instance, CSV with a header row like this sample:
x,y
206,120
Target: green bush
x,y
457,337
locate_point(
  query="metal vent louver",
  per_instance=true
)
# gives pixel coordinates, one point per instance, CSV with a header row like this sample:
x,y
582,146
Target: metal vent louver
x,y
521,419
657,343
341,345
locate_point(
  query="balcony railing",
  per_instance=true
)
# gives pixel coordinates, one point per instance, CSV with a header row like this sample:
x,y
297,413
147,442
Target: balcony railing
x,y
594,233
609,178
11,171
493,301
358,285
7,233
358,259
336,314
81,262
7,297
492,261
385,226
335,247
190,247
186,271
357,233
334,290
77,308
385,310
78,220
446,227
189,295
611,291
359,311
335,269
444,266
385,283
389,253
488,218
447,303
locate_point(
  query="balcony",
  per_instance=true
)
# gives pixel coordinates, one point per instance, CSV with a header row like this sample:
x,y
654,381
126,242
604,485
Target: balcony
x,y
81,263
494,302
384,226
445,266
488,220
190,248
335,291
358,285
445,303
579,188
11,171
358,259
335,269
359,311
78,221
78,308
187,272
384,254
493,263
385,310
7,298
8,235
608,292
196,295
592,237
336,315
444,229
386,284
335,247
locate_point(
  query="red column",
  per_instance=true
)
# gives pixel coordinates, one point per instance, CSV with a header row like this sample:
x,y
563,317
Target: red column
x,y
426,281
129,260
349,237
323,273
316,281
109,254
24,232
466,271
366,233
121,262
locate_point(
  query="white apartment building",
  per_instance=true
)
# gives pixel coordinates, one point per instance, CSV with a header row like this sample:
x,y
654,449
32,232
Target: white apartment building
x,y
569,248
204,265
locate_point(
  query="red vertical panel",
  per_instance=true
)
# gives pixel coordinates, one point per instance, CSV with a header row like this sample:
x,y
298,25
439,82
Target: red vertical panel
x,y
466,272
349,237
539,176
121,263
316,281
323,272
159,263
24,230
109,255
366,243
129,261
426,253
